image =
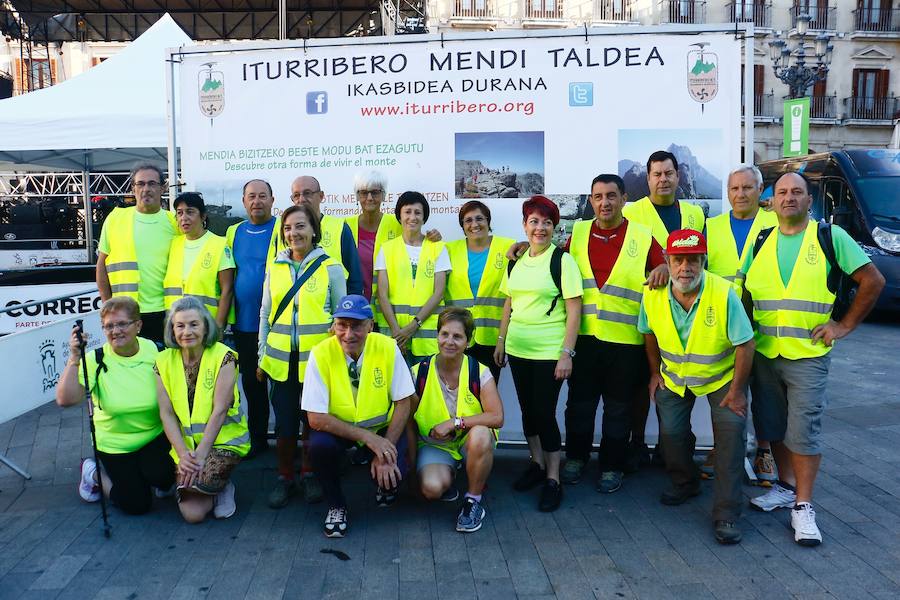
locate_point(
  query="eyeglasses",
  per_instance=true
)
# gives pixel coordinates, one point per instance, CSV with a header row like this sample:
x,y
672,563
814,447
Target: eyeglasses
x,y
353,372
146,184
373,193
475,219
305,194
120,326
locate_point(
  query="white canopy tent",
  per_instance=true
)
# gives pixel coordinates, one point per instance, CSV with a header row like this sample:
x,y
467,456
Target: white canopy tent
x,y
102,120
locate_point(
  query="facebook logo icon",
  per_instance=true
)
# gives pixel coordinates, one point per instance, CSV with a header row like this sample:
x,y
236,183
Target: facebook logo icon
x,y
581,93
316,103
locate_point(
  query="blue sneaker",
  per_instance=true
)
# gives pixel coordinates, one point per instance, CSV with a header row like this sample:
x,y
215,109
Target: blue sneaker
x,y
471,515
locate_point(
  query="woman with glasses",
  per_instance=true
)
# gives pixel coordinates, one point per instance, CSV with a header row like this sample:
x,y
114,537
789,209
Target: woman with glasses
x,y
200,262
131,444
371,228
538,332
302,289
412,274
478,263
200,408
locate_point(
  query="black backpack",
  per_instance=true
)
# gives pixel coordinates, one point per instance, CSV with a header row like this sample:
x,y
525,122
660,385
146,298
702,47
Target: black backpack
x,y
555,273
474,377
839,283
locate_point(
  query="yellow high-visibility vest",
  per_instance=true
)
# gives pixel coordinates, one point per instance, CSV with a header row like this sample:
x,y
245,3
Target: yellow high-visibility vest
x,y
309,308
203,278
407,296
644,212
332,228
432,409
610,313
233,435
121,262
723,255
487,304
373,407
786,317
388,229
706,362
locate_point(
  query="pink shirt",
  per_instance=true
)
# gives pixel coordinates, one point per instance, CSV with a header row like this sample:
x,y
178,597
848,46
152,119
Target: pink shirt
x,y
367,259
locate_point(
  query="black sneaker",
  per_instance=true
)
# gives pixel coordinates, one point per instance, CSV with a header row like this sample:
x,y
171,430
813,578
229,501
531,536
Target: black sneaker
x,y
361,455
679,495
470,516
336,522
636,457
385,497
727,532
532,477
551,496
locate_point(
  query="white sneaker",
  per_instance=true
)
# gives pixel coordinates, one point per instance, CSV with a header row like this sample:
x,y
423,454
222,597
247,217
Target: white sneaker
x,y
88,488
777,497
223,503
803,520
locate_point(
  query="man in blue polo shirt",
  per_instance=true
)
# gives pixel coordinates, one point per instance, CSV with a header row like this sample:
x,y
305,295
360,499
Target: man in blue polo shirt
x,y
253,243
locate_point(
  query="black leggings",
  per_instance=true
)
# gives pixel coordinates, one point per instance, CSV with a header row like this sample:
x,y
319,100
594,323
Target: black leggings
x,y
133,473
485,355
538,393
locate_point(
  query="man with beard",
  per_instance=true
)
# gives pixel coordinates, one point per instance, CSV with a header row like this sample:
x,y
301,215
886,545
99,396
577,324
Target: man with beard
x,y
699,342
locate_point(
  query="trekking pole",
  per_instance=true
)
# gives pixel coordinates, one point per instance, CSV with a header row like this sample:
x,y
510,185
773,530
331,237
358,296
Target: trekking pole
x,y
90,404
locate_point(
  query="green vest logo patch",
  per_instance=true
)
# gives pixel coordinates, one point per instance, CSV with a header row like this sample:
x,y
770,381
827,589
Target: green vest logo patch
x,y
710,317
312,284
209,379
470,399
378,377
498,261
631,250
207,260
326,239
429,268
812,255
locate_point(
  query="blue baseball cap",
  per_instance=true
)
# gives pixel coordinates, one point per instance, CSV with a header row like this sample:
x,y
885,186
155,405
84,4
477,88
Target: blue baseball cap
x,y
354,306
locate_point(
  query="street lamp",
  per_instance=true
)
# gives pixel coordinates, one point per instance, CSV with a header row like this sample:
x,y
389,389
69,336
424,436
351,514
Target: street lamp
x,y
800,76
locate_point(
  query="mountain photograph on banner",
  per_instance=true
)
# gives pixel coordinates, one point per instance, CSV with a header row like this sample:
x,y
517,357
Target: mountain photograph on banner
x,y
499,164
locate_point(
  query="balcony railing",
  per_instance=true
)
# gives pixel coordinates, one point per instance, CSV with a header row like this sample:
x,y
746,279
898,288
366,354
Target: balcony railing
x,y
544,9
823,107
877,20
763,106
617,11
868,108
821,16
682,11
474,9
747,11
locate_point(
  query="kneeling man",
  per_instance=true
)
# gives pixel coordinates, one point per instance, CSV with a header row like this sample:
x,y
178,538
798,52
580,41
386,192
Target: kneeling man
x,y
358,390
699,342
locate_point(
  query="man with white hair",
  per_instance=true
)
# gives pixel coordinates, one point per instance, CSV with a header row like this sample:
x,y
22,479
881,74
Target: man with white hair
x,y
699,342
730,237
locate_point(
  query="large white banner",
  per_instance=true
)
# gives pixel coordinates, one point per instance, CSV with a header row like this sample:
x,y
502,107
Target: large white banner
x,y
466,116
33,361
17,319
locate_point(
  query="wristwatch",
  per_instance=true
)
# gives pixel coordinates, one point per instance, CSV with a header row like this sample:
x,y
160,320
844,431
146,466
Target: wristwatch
x,y
417,320
569,351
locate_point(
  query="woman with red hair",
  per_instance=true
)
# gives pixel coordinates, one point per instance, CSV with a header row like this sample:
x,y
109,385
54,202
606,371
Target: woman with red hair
x,y
537,334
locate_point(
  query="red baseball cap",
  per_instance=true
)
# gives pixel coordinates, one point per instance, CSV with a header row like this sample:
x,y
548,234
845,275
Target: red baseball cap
x,y
686,241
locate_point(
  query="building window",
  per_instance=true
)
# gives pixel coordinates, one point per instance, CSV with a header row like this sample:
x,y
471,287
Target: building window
x,y
870,94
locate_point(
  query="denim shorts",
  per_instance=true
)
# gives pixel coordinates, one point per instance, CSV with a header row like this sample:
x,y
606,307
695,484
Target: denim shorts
x,y
789,397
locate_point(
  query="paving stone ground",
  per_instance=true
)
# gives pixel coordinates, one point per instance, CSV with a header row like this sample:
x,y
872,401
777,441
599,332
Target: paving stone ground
x,y
625,545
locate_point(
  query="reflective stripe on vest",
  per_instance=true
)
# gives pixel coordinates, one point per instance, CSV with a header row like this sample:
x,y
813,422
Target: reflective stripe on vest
x,y
706,362
372,408
643,212
121,262
723,259
309,305
611,312
786,317
487,304
233,435
203,277
403,288
432,409
388,229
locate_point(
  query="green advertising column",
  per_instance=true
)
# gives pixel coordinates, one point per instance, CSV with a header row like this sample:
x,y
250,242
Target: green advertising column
x,y
796,127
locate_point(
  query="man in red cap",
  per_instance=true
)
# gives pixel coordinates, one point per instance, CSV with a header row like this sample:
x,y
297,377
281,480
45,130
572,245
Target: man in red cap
x,y
699,342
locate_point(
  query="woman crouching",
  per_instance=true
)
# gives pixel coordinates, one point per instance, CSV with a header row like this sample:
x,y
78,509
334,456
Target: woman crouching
x,y
200,410
458,414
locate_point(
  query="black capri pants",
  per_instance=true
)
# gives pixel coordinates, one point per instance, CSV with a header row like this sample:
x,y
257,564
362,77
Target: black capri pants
x,y
286,402
538,392
133,473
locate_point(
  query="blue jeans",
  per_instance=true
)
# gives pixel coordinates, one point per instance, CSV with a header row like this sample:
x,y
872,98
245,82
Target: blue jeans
x,y
677,446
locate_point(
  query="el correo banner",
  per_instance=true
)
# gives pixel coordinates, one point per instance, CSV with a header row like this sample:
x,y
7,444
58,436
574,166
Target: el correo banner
x,y
498,119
